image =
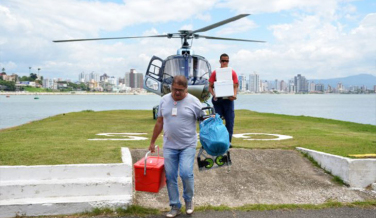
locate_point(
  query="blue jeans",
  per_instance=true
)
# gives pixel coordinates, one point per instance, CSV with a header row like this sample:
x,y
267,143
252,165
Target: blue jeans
x,y
182,161
225,108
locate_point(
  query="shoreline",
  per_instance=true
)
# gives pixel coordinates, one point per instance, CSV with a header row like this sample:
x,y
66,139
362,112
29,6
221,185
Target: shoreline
x,y
146,93
69,93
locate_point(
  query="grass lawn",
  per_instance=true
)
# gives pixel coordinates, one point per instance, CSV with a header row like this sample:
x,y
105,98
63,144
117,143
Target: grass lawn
x,y
33,89
63,139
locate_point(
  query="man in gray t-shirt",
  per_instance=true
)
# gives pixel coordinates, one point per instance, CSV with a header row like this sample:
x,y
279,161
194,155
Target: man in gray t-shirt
x,y
177,116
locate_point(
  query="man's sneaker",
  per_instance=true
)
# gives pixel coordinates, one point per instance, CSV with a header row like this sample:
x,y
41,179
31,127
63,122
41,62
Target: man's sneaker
x,y
175,211
189,207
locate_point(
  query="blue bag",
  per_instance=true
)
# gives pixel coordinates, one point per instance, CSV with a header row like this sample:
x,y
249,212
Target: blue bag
x,y
214,136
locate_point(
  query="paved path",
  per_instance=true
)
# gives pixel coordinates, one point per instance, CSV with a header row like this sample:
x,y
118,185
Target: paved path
x,y
343,212
266,176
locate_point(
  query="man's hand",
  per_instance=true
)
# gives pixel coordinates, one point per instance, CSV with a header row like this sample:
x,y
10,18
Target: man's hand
x,y
231,98
152,147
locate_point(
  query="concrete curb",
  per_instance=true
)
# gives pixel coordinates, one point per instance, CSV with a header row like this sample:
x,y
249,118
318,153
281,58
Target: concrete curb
x,y
358,173
65,189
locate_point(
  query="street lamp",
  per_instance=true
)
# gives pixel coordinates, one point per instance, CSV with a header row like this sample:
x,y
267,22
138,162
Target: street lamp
x,y
38,72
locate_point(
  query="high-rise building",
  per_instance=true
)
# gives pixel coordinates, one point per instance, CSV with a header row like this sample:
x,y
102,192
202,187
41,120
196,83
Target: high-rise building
x,y
283,86
292,88
240,78
264,86
254,83
311,86
319,87
329,89
104,77
81,77
112,80
340,87
139,80
121,81
301,84
277,85
133,79
93,77
242,83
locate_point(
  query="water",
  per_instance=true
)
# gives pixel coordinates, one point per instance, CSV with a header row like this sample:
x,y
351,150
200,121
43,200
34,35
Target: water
x,y
20,109
353,108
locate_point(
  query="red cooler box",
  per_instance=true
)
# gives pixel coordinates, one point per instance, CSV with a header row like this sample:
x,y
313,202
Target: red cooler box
x,y
149,174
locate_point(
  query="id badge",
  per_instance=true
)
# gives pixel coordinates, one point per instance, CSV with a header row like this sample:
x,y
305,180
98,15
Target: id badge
x,y
174,111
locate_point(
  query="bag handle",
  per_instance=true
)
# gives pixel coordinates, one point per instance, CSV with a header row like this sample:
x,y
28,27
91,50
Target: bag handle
x,y
146,157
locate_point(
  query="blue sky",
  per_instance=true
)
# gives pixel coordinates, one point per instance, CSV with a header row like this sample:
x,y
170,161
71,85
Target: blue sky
x,y
319,39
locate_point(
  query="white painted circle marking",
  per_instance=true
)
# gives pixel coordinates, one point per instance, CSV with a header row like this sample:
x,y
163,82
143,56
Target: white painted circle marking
x,y
246,136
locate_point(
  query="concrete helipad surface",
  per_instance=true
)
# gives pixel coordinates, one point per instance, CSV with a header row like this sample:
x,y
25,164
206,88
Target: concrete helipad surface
x,y
270,176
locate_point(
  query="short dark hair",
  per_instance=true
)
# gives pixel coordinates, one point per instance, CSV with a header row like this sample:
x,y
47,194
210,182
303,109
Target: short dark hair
x,y
223,55
180,80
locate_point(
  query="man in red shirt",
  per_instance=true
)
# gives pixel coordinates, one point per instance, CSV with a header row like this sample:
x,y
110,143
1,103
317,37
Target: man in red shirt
x,y
225,106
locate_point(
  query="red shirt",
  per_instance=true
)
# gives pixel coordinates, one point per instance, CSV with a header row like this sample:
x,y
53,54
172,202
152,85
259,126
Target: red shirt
x,y
213,78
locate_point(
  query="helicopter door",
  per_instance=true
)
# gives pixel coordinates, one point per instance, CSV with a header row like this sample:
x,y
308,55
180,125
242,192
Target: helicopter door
x,y
153,77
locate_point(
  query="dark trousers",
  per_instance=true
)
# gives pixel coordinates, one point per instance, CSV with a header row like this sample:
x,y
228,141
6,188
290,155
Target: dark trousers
x,y
225,108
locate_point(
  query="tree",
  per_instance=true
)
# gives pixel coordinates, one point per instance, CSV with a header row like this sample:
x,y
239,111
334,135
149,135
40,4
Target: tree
x,y
10,86
24,78
33,76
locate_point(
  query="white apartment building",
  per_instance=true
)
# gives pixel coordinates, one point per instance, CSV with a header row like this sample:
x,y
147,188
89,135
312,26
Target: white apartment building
x,y
283,86
242,83
264,87
254,83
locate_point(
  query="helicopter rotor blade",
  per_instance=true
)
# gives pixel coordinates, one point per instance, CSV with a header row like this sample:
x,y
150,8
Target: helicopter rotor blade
x,y
219,23
231,39
94,39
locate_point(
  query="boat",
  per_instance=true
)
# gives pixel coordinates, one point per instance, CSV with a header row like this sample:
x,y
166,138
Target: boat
x,y
8,96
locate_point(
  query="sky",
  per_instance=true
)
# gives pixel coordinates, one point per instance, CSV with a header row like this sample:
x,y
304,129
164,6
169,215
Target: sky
x,y
319,39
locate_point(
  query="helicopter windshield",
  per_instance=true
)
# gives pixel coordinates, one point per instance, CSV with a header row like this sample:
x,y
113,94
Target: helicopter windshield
x,y
174,67
198,69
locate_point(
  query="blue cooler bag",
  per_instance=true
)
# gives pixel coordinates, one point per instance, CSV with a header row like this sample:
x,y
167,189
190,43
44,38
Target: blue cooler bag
x,y
214,136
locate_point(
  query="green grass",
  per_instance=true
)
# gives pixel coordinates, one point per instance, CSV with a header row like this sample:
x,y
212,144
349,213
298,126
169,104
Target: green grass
x,y
63,139
335,179
264,207
138,211
133,210
34,89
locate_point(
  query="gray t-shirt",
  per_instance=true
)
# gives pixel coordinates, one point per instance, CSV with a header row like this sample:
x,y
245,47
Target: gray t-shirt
x,y
179,130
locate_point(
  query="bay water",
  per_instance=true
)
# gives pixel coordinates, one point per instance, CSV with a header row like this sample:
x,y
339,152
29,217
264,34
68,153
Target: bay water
x,y
20,109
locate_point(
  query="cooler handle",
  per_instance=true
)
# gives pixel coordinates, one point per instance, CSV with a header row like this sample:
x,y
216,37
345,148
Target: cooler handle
x,y
146,158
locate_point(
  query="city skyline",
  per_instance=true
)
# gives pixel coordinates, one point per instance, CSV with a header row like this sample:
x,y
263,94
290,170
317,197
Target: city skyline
x,y
298,84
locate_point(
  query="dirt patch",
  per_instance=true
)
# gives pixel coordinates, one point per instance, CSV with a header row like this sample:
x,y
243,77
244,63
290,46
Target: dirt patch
x,y
268,176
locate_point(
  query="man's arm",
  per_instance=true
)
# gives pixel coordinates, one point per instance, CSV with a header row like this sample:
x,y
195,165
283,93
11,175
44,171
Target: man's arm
x,y
211,90
236,84
157,130
235,92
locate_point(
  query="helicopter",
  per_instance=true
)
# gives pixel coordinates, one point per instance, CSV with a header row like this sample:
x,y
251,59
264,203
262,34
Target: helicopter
x,y
197,70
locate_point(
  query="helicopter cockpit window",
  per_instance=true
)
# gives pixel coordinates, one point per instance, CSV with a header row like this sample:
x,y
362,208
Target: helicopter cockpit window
x,y
154,68
174,67
198,69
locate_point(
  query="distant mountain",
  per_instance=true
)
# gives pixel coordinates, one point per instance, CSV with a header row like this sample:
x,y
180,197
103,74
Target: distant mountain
x,y
367,80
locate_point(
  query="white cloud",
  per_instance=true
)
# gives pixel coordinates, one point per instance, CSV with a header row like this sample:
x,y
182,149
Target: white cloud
x,y
315,41
238,26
